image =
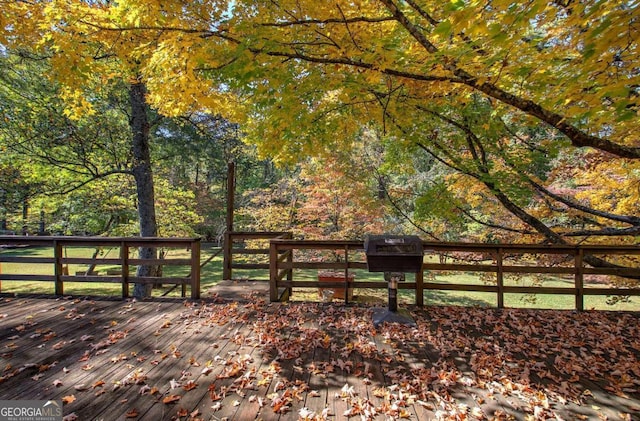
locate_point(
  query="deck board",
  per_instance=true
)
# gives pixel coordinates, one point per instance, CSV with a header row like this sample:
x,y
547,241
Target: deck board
x,y
118,360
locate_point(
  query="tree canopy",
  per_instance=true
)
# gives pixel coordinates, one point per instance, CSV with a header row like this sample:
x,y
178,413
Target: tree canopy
x,y
521,118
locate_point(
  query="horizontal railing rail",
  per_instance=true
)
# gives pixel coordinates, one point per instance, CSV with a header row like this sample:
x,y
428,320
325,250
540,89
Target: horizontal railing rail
x,y
235,251
281,289
124,273
498,259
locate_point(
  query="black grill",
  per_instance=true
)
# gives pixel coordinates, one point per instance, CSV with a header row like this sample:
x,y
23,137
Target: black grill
x,y
394,253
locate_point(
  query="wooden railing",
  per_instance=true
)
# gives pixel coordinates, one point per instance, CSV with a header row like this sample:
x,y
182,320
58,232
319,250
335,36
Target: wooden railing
x,y
124,263
512,259
496,259
283,264
236,251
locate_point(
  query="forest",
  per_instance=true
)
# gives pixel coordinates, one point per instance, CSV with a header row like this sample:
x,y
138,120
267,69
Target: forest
x,y
469,121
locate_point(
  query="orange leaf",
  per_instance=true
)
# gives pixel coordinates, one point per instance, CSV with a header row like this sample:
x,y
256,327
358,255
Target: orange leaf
x,y
171,399
190,385
132,413
99,383
68,399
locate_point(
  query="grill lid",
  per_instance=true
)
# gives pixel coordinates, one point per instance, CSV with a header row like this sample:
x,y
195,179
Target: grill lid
x,y
394,253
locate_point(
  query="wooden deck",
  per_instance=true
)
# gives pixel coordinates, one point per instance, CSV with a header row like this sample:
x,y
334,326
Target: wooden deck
x,y
246,359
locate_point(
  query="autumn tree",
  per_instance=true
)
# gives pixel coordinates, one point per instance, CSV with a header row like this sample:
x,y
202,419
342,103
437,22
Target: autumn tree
x,y
82,64
500,94
453,78
312,70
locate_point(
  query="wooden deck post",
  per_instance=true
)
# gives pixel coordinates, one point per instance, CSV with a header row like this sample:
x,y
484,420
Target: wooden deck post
x,y
124,268
579,279
500,277
420,287
228,238
195,269
273,272
346,274
290,273
57,270
227,247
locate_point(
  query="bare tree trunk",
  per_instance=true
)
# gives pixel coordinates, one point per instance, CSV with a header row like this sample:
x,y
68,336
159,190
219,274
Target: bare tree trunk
x,y
144,182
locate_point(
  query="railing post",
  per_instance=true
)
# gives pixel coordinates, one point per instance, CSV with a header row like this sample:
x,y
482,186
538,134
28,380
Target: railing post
x,y
500,278
420,287
579,279
273,271
124,268
57,254
195,269
346,274
290,273
227,246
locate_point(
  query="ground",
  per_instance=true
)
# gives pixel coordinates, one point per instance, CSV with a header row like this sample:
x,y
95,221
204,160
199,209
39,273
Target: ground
x,y
244,358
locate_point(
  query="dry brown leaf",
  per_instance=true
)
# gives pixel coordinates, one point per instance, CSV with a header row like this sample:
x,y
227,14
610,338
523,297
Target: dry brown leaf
x,y
132,413
68,399
59,345
190,385
171,399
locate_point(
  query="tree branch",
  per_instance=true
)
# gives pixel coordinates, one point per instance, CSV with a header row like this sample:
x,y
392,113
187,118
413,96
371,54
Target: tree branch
x,y
578,137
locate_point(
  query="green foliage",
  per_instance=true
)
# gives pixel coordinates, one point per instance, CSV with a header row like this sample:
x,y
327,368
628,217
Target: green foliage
x,y
486,107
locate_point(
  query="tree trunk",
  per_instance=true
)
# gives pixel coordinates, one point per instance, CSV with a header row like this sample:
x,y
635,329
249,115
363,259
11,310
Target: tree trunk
x,y
144,182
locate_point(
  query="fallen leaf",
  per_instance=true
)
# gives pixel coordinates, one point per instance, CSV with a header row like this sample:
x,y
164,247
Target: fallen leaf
x,y
68,399
132,413
190,385
171,399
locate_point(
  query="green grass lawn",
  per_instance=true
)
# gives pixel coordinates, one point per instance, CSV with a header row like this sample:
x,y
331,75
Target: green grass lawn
x,y
211,274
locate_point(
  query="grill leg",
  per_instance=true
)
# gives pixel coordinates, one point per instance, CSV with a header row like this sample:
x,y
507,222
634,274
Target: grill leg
x,y
391,315
393,278
393,299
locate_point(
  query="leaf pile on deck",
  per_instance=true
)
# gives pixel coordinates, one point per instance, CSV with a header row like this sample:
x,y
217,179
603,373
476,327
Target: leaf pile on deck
x,y
314,361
